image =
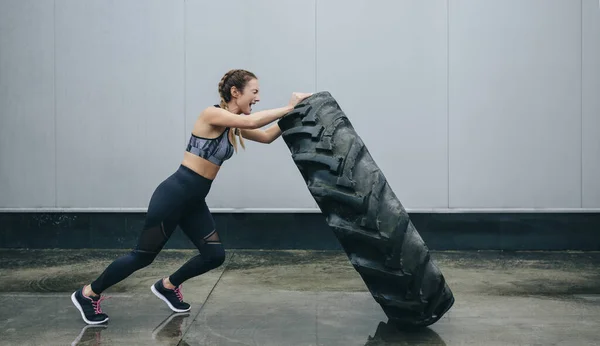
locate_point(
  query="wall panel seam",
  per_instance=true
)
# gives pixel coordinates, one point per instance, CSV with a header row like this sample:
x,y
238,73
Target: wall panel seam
x,y
316,85
448,100
54,104
581,104
316,73
184,71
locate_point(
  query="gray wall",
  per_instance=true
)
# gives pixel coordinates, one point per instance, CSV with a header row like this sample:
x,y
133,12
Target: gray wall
x,y
463,104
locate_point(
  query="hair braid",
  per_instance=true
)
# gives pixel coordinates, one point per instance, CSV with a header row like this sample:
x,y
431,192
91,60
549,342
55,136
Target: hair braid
x,y
222,92
237,78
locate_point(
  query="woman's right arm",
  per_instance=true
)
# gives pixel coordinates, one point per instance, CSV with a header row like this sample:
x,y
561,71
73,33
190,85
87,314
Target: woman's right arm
x,y
221,117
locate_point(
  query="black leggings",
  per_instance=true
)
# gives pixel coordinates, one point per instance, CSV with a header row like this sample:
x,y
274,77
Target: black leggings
x,y
178,200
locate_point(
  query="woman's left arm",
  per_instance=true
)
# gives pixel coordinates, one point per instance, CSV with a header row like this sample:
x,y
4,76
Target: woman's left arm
x,y
262,136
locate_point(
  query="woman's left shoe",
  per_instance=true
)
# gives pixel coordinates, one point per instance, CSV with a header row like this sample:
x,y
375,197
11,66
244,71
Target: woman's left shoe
x,y
173,297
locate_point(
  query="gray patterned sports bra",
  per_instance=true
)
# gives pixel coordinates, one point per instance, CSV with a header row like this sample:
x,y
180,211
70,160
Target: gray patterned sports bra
x,y
215,150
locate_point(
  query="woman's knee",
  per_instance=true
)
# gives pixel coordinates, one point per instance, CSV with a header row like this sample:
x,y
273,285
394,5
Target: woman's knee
x,y
142,258
214,253
219,258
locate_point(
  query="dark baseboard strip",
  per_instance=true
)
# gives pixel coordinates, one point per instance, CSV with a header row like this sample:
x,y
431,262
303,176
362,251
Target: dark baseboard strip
x,y
440,231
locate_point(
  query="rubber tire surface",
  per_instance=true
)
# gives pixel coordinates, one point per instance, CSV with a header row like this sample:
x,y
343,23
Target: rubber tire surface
x,y
365,215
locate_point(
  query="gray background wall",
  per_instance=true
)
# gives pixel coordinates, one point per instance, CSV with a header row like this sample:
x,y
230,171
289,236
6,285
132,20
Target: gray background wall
x,y
465,105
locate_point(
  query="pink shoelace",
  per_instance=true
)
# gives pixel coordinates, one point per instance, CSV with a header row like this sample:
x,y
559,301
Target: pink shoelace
x,y
96,305
178,293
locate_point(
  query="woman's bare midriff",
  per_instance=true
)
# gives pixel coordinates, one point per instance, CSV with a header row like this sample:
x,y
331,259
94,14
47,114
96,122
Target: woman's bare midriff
x,y
197,164
201,166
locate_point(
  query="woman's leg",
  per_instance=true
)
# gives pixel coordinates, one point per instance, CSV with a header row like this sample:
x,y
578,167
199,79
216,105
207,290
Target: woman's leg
x,y
164,211
199,226
163,215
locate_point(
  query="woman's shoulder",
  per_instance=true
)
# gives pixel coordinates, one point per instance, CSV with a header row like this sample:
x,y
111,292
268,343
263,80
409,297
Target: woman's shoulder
x,y
211,109
211,112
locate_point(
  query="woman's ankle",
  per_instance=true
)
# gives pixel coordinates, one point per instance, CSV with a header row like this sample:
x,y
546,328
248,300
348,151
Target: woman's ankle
x,y
87,291
168,284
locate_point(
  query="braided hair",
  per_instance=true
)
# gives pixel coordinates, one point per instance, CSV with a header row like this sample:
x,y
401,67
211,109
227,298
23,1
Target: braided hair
x,y
234,78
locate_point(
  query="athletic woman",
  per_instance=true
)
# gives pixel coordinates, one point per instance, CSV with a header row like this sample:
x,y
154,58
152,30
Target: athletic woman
x,y
180,199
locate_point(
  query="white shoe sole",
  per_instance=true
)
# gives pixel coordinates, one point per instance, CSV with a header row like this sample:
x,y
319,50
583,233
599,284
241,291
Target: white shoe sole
x,y
78,306
167,301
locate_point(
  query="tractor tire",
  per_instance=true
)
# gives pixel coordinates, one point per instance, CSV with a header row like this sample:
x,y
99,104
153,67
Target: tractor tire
x,y
364,214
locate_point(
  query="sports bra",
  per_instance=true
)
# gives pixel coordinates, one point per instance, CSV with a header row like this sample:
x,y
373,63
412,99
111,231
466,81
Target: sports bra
x,y
215,150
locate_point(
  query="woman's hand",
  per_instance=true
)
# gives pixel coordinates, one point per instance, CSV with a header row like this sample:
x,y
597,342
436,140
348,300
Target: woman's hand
x,y
297,97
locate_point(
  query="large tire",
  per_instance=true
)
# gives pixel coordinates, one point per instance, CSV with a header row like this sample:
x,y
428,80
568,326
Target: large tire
x,y
364,213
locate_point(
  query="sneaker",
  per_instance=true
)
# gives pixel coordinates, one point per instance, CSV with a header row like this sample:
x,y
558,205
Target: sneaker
x,y
173,297
89,307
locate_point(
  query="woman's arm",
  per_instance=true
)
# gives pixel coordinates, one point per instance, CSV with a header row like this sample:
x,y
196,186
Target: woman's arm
x,y
263,136
221,117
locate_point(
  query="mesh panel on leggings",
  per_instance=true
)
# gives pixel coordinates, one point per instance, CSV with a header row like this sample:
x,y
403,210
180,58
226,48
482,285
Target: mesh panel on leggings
x,y
152,239
212,238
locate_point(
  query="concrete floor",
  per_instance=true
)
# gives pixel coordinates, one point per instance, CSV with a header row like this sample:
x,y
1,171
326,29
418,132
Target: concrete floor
x,y
300,298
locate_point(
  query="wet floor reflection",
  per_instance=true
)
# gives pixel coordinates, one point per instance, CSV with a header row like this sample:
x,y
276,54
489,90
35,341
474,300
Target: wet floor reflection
x,y
90,335
387,335
170,331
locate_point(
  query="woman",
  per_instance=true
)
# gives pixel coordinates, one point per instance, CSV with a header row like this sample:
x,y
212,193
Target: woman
x,y
180,199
